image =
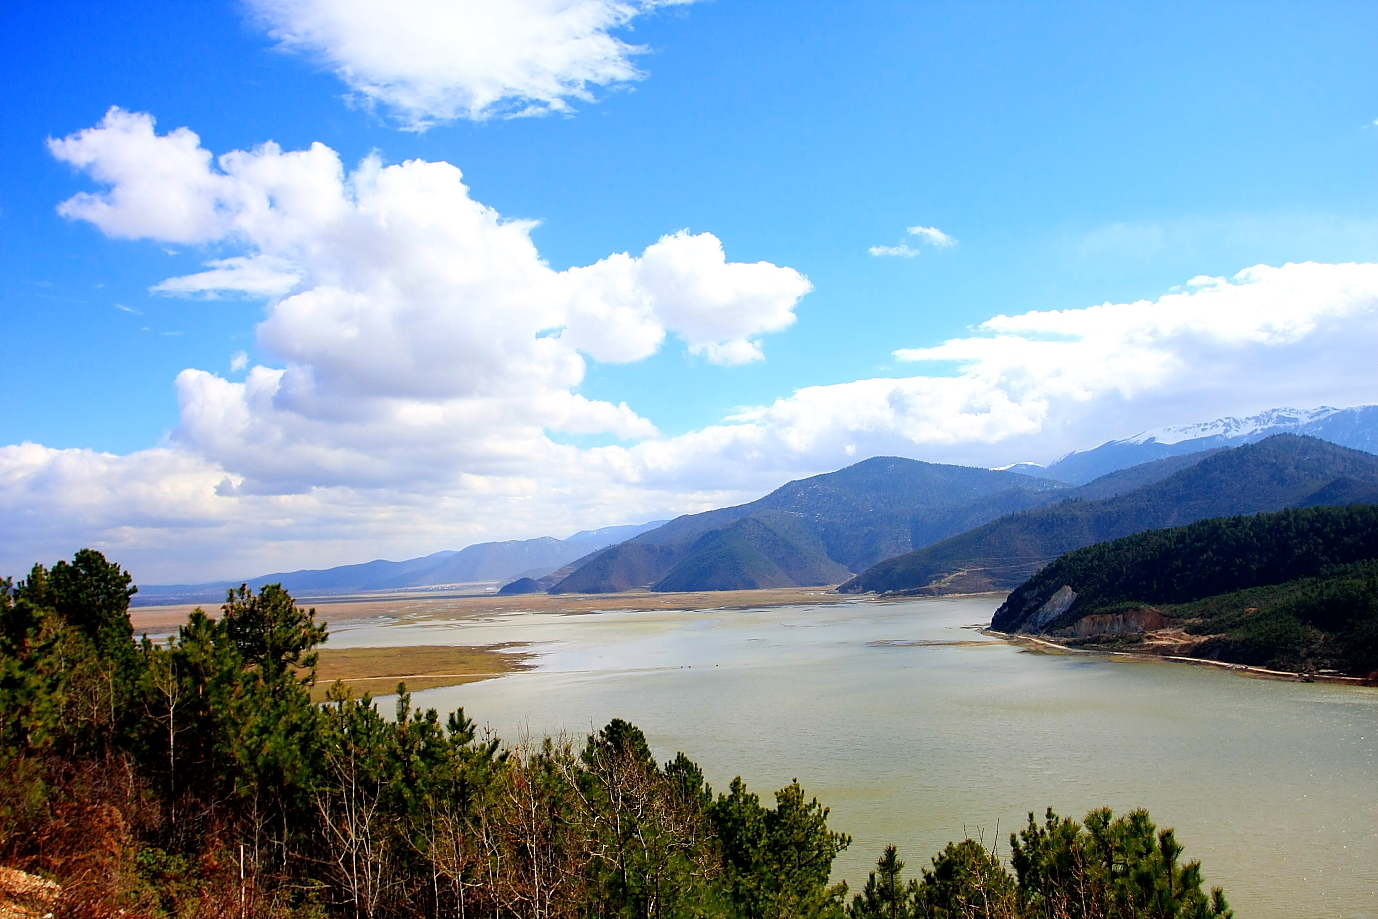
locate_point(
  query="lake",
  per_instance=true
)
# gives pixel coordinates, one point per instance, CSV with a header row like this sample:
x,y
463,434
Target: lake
x,y
915,729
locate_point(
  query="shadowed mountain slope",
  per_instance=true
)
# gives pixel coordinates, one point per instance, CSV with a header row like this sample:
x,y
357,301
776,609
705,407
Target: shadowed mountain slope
x,y
812,531
1286,470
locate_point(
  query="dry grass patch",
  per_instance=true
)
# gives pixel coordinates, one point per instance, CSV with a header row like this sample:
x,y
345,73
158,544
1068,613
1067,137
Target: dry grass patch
x,y
378,670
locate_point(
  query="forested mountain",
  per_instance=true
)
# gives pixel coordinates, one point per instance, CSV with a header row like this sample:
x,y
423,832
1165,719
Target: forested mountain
x,y
1356,428
488,561
1283,471
812,531
1296,590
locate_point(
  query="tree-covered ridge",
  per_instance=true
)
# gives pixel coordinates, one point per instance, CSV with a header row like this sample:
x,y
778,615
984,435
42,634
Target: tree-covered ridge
x,y
1294,590
196,778
1283,471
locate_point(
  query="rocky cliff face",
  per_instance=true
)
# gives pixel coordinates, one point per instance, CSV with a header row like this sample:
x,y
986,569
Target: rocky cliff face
x,y
1060,602
1131,622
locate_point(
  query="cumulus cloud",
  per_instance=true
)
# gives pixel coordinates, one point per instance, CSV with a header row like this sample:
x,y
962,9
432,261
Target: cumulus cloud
x,y
428,357
1037,384
438,60
1027,386
422,333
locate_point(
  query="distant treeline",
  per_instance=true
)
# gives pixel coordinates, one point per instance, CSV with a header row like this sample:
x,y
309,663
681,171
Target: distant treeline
x,y
196,778
1295,590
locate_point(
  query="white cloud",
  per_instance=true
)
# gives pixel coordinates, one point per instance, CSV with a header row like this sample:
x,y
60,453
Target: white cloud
x,y
438,60
427,348
427,351
239,361
253,276
933,236
1029,385
902,250
159,186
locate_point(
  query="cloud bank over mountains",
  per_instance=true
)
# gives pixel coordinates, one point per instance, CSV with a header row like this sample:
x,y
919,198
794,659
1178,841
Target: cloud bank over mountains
x,y
430,61
425,369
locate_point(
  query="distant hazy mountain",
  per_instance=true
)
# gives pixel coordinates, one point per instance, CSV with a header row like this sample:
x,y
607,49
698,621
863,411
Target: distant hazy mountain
x,y
1349,427
489,561
1282,471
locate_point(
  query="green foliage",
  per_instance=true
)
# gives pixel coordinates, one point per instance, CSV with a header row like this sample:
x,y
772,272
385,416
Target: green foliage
x,y
195,777
271,631
1296,590
1104,868
1108,866
884,896
778,861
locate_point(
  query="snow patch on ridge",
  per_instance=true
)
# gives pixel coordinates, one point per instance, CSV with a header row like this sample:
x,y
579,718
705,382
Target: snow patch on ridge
x,y
1274,421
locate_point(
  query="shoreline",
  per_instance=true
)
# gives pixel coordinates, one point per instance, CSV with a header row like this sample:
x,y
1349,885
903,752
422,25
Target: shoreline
x,y
1262,673
168,617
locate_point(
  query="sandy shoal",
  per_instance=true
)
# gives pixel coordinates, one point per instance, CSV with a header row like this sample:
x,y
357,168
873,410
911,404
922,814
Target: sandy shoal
x,y
418,605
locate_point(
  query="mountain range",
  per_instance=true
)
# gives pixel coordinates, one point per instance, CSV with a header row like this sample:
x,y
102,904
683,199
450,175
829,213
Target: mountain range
x,y
1285,470
813,531
1349,427
893,524
484,562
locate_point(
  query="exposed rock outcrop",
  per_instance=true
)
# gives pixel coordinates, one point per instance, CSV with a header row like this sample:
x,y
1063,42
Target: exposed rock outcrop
x,y
1130,622
1059,603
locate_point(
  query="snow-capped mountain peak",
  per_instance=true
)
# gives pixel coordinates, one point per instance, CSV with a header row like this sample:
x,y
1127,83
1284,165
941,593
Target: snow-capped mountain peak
x,y
1272,421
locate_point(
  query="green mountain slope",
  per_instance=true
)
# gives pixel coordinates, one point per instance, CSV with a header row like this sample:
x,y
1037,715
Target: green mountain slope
x,y
768,549
1283,471
841,522
1295,590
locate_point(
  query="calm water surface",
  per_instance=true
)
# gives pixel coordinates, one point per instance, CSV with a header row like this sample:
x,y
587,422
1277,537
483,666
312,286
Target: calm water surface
x,y
914,739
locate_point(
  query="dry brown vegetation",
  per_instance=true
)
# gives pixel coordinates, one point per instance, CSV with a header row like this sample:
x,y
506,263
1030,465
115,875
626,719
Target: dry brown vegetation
x,y
377,671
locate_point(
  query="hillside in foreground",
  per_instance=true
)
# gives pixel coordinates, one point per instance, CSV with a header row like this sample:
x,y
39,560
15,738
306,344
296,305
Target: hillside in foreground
x,y
197,778
1283,471
1295,590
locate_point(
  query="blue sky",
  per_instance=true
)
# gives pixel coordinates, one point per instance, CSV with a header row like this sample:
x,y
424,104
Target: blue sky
x,y
1078,154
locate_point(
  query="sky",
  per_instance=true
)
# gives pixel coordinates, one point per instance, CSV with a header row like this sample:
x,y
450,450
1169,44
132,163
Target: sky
x,y
299,283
